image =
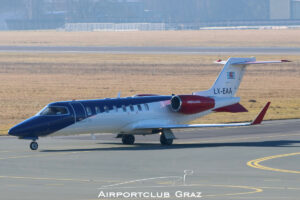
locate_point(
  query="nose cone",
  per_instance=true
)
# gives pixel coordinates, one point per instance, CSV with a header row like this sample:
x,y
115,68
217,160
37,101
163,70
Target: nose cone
x,y
13,131
24,129
19,130
40,126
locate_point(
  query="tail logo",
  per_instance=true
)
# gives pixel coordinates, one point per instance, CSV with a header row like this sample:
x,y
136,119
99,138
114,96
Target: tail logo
x,y
230,75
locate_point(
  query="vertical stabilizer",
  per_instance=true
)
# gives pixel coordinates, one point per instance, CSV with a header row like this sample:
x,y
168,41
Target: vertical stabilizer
x,y
229,79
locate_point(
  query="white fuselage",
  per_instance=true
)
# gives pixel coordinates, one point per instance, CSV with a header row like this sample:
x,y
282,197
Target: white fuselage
x,y
119,121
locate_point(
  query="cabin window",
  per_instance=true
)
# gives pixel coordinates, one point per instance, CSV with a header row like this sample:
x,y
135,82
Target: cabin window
x,y
97,109
124,108
139,107
115,108
131,108
88,111
106,109
146,106
55,110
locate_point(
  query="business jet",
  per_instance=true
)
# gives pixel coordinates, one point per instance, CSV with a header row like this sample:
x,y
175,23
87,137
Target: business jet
x,y
143,114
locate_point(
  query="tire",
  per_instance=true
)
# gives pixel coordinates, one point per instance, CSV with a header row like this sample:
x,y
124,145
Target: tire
x,y
34,146
165,141
128,139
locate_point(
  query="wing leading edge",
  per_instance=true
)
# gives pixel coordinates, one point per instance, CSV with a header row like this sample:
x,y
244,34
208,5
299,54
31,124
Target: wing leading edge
x,y
256,121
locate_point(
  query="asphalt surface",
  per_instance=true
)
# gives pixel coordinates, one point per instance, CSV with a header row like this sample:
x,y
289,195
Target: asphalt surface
x,y
154,50
231,163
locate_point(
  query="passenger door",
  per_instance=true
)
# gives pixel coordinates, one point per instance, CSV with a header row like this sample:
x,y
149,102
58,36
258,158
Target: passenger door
x,y
80,113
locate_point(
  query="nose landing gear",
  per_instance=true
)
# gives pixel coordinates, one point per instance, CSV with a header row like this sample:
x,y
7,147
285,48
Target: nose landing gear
x,y
34,145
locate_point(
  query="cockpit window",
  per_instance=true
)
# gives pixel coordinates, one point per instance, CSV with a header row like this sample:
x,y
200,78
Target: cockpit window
x,y
55,110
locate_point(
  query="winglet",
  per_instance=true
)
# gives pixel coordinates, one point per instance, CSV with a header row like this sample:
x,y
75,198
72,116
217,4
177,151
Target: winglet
x,y
261,115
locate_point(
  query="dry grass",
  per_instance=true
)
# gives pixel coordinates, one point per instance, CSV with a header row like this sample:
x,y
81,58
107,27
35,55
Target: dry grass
x,y
28,81
219,38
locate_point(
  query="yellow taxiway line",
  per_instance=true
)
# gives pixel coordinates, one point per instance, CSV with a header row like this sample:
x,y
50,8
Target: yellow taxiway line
x,y
256,163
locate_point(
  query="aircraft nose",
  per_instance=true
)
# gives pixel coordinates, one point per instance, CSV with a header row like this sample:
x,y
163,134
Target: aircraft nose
x,y
22,129
15,131
11,132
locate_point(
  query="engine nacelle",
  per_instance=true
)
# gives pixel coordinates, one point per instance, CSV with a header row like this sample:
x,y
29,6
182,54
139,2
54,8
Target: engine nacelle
x,y
191,104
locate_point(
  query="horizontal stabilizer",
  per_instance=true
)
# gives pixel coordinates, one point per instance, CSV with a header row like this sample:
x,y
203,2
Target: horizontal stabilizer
x,y
235,108
251,62
259,62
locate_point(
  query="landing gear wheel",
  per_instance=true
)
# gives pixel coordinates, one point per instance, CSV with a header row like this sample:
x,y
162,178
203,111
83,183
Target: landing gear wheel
x,y
165,141
34,146
128,139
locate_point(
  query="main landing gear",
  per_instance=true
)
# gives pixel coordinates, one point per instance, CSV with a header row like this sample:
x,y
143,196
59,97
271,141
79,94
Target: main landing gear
x,y
166,137
165,141
34,145
128,139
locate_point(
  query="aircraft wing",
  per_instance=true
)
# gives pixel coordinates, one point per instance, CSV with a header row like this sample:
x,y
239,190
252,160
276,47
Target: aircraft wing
x,y
256,121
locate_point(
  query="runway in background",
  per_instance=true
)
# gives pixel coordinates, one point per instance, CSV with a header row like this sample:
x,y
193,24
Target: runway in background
x,y
154,50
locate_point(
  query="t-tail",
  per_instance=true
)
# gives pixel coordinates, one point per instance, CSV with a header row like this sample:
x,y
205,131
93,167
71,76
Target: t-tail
x,y
229,80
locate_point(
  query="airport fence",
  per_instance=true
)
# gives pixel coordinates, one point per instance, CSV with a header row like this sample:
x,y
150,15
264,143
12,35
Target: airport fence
x,y
115,26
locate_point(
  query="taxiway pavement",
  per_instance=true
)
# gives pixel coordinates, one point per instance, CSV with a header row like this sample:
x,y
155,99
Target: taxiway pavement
x,y
258,162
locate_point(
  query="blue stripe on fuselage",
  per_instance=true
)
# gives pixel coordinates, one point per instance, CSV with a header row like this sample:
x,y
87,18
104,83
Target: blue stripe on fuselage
x,y
45,125
118,102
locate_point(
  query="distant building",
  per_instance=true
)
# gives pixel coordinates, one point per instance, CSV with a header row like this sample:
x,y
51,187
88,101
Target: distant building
x,y
280,9
295,11
176,14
